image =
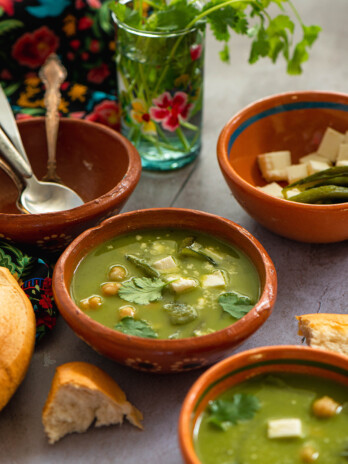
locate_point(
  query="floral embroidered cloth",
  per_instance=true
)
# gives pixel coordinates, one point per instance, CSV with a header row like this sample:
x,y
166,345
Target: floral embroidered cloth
x,y
34,276
81,33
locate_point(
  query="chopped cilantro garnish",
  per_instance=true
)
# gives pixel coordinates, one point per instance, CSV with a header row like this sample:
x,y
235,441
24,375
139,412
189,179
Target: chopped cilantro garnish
x,y
139,328
235,304
141,290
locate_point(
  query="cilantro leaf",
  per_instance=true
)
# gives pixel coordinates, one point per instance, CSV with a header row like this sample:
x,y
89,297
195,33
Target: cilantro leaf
x,y
235,304
130,326
225,413
141,290
180,313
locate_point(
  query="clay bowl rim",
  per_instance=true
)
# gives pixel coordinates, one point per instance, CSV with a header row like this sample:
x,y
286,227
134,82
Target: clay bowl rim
x,y
98,205
258,107
221,339
205,381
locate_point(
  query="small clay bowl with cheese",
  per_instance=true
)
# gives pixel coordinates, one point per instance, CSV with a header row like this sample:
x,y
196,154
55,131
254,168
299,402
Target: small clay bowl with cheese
x,y
294,122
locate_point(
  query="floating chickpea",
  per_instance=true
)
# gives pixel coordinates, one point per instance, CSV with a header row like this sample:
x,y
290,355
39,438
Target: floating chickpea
x,y
126,311
325,407
117,273
308,454
93,302
110,288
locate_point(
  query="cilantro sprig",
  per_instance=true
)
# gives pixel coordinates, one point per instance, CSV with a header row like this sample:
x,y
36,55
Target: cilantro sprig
x,y
138,328
141,290
225,413
271,36
235,304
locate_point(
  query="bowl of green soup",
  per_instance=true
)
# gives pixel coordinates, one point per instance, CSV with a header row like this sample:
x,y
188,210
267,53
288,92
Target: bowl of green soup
x,y
274,405
165,290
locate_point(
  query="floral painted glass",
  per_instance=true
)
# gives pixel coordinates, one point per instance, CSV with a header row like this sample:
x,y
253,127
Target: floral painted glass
x,y
160,84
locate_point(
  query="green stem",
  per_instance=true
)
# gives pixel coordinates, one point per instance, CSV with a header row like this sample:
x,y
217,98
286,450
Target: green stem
x,y
298,17
183,139
188,125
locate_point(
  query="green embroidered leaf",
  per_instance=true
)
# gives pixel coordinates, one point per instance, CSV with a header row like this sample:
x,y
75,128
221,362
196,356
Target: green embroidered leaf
x,y
130,326
9,24
235,304
6,261
180,313
141,290
225,413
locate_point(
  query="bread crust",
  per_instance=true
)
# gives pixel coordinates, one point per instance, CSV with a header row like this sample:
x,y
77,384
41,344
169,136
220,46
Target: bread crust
x,y
17,335
84,377
325,330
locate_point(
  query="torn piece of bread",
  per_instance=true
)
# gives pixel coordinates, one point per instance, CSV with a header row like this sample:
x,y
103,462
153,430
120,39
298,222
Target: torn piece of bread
x,y
327,331
17,335
81,393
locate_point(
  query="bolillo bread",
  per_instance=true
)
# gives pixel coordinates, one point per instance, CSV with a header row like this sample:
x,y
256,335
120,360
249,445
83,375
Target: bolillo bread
x,y
17,335
81,393
327,331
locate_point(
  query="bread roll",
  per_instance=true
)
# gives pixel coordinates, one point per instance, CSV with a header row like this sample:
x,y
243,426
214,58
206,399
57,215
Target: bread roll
x,y
327,331
80,393
17,335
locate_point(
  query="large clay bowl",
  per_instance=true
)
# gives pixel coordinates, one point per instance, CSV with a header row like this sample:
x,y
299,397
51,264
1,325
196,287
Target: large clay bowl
x,y
294,121
101,165
247,364
155,355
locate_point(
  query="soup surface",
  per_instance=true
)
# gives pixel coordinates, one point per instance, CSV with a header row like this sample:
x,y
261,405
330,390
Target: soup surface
x,y
166,284
276,419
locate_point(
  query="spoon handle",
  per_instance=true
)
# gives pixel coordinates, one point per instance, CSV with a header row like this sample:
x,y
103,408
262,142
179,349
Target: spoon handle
x,y
52,75
13,158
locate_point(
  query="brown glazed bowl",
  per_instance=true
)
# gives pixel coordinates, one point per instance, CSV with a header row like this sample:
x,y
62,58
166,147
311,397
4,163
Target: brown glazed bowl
x,y
247,364
101,165
156,355
294,121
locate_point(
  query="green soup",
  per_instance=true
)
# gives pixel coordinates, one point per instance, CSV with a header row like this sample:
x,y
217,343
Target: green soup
x,y
237,428
173,284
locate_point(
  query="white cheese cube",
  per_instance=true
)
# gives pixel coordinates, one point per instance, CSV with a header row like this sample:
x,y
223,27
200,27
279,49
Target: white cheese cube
x,y
284,428
273,189
165,264
342,163
316,166
330,143
342,153
312,157
273,164
296,172
182,284
292,192
213,280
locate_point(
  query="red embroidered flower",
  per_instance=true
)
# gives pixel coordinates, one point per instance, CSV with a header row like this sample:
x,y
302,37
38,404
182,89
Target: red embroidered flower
x,y
23,116
94,3
32,49
84,56
47,286
195,52
99,74
7,6
94,46
107,113
47,321
75,44
5,74
45,302
169,111
84,23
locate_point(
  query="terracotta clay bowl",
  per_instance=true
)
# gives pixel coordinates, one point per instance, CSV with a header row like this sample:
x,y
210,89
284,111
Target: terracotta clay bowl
x,y
156,355
294,121
247,364
101,165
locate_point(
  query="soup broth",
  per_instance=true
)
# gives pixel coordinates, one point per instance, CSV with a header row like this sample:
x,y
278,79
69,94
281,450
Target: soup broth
x,y
166,284
321,438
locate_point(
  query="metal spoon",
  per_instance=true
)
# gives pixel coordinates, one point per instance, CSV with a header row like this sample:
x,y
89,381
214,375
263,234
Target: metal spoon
x,y
52,75
37,197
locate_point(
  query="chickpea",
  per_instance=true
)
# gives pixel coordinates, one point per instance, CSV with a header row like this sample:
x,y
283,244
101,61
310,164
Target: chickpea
x,y
126,311
325,407
117,273
110,288
308,454
93,302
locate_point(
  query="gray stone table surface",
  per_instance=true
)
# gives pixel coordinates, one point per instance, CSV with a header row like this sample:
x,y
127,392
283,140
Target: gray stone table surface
x,y
311,277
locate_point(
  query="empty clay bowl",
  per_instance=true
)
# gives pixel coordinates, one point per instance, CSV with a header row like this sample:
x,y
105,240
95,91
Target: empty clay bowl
x,y
101,165
164,355
294,121
245,365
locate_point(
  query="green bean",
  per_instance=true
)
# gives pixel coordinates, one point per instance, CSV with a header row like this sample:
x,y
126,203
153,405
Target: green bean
x,y
322,194
143,266
314,179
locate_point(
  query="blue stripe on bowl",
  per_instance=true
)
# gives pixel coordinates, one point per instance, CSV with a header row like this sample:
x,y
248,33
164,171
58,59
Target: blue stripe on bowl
x,y
305,105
